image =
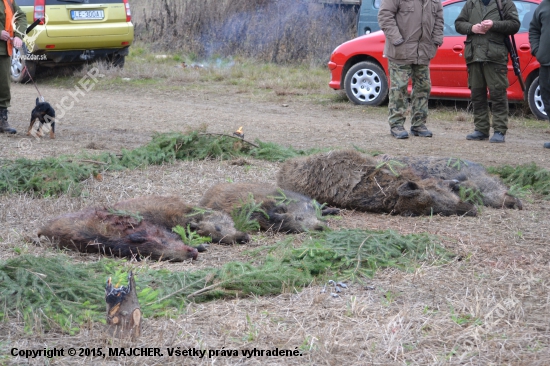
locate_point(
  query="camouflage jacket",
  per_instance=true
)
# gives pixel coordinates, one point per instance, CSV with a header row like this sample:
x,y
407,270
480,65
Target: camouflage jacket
x,y
413,30
539,33
20,23
489,46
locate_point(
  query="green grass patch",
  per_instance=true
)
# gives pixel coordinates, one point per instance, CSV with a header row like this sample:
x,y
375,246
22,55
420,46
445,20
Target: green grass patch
x,y
64,295
54,176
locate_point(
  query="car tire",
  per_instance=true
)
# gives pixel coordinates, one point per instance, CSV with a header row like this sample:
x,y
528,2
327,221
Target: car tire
x,y
18,64
535,101
366,84
117,61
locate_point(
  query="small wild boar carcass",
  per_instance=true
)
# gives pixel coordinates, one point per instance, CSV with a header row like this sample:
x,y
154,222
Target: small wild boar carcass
x,y
170,211
98,230
281,210
349,179
468,175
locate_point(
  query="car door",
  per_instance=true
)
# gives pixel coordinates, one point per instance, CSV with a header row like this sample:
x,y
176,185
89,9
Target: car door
x,y
448,69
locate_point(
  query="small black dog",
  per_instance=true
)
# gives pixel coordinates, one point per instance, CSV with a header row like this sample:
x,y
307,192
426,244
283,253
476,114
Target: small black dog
x,y
44,113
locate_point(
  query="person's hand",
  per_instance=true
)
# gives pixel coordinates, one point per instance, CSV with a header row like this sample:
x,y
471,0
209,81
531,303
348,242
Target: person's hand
x,y
399,42
17,42
487,24
479,29
5,36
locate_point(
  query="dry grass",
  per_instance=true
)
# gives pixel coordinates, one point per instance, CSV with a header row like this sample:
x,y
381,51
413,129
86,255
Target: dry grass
x,y
489,307
280,31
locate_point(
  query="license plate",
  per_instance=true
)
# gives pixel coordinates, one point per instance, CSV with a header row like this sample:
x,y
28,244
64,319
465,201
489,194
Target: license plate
x,y
87,14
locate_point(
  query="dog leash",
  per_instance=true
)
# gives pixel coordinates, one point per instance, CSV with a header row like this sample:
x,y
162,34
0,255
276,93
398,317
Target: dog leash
x,y
27,31
30,77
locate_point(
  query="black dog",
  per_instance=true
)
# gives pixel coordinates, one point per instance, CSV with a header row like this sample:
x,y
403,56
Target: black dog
x,y
44,113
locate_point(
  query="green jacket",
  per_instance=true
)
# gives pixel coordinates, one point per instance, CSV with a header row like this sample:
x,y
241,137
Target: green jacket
x,y
489,46
20,23
539,33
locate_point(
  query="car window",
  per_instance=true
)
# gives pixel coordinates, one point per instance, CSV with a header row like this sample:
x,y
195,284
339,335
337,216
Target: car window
x,y
450,13
376,4
525,12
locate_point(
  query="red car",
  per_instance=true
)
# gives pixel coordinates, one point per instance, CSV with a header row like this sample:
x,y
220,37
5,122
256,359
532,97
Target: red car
x,y
359,66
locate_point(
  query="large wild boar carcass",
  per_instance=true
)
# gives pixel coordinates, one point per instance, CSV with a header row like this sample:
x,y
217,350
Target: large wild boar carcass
x,y
349,179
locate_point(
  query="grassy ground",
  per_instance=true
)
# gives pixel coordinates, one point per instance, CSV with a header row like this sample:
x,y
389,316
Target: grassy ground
x,y
488,304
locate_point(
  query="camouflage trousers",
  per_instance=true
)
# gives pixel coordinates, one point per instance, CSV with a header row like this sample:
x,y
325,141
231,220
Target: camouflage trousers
x,y
398,94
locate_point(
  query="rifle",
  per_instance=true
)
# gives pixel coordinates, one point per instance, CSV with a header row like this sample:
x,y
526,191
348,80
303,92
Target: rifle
x,y
33,25
512,50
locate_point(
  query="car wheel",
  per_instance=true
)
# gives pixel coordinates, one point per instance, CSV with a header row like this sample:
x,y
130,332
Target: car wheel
x,y
366,84
535,100
18,63
117,61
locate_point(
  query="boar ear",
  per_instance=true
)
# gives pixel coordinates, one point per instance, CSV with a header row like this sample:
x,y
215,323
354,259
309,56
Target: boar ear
x,y
409,189
278,213
453,184
279,209
277,217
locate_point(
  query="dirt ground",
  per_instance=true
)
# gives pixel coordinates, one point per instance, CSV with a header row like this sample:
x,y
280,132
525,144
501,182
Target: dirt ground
x,y
490,308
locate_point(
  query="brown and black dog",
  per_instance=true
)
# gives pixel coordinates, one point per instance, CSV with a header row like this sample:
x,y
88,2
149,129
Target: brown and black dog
x,y
44,113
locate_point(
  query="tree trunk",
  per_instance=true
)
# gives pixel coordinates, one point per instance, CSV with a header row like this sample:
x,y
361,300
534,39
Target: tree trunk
x,y
123,311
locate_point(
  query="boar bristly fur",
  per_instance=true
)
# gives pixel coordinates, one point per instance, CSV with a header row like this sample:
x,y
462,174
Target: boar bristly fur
x,y
349,179
468,175
97,230
281,210
170,211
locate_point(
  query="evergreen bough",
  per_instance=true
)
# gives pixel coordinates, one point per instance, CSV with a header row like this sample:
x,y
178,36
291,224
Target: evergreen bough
x,y
55,176
525,177
64,294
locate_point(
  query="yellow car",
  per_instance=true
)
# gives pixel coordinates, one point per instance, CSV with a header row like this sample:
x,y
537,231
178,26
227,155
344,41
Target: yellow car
x,y
72,32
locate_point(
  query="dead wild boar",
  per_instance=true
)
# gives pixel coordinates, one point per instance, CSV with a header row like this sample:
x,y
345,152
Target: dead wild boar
x,y
98,230
283,210
467,174
170,211
349,179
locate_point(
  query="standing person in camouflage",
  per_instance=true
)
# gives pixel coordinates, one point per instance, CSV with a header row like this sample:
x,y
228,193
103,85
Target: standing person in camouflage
x,y
414,31
10,14
487,59
539,38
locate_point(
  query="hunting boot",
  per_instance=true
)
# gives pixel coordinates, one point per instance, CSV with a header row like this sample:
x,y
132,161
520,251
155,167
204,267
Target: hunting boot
x,y
4,126
421,131
399,132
